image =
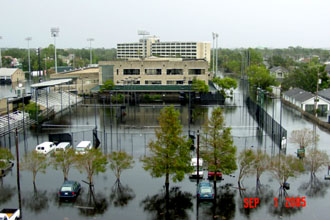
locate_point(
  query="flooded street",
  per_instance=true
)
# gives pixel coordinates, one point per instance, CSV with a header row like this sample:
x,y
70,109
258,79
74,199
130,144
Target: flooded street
x,y
138,195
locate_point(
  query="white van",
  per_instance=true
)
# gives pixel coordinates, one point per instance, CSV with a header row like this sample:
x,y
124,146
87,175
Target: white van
x,y
83,146
45,147
63,146
193,163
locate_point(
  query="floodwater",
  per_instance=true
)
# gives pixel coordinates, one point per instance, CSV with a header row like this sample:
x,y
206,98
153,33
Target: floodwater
x,y
139,196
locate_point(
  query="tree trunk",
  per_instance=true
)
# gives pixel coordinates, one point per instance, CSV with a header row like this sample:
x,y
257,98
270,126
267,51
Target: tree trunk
x,y
167,196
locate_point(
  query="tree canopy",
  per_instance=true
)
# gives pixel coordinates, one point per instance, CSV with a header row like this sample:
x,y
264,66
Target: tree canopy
x,y
260,77
225,84
120,161
5,156
200,86
107,85
64,160
170,152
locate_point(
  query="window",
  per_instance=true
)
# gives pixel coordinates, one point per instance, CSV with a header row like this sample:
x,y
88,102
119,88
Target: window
x,y
174,71
179,82
153,71
131,71
153,82
170,82
196,72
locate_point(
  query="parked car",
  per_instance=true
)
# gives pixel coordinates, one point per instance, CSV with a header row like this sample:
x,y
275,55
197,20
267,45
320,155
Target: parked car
x,y
211,174
194,165
45,147
83,146
63,146
205,190
5,165
69,189
10,214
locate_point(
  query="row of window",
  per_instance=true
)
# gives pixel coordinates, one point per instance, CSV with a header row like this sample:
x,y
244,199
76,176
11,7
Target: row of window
x,y
159,72
159,82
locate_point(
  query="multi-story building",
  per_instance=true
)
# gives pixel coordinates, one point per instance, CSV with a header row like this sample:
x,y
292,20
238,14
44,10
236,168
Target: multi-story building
x,y
153,47
154,71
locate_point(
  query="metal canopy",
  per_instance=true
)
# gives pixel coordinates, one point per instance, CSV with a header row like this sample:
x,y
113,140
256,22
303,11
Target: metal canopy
x,y
50,83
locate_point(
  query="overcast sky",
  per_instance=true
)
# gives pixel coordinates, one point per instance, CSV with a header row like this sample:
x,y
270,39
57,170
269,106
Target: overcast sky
x,y
240,23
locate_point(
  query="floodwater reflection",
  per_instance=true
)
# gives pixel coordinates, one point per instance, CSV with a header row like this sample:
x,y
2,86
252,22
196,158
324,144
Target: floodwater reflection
x,y
92,203
121,195
223,207
178,205
35,201
6,193
315,187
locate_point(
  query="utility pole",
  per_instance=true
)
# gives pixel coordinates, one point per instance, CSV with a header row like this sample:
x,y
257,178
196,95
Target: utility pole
x,y
213,52
197,152
29,59
216,54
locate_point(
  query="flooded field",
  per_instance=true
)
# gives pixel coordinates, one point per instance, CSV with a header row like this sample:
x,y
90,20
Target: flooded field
x,y
138,195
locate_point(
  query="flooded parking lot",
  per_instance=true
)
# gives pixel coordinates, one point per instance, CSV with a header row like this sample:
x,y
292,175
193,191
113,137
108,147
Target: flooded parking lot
x,y
138,195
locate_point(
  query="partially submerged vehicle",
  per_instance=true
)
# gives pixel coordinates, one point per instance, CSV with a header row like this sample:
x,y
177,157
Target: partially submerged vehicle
x,y
83,146
10,214
45,147
193,163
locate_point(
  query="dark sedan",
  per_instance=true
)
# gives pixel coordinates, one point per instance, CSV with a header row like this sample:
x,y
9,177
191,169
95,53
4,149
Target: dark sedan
x,y
69,189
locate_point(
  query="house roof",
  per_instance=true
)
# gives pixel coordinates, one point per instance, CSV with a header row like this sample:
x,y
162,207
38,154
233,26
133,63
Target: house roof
x,y
7,71
325,93
276,68
293,92
304,96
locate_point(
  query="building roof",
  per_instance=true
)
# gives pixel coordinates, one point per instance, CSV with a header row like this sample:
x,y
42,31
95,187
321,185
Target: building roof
x,y
50,83
7,71
325,93
293,92
304,96
276,68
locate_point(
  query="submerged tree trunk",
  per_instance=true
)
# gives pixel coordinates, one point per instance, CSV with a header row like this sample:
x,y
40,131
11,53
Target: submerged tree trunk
x,y
167,196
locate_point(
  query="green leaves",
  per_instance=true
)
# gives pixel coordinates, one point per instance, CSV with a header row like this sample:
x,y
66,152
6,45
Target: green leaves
x,y
92,162
217,146
225,84
170,152
200,86
34,162
120,161
107,86
64,160
260,77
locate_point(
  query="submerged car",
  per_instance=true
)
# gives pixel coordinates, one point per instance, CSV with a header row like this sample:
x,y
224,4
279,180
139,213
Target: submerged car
x,y
69,189
193,163
211,174
205,191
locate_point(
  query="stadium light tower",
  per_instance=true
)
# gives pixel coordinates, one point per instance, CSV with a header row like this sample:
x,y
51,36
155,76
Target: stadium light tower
x,y
144,34
90,49
54,33
28,40
0,55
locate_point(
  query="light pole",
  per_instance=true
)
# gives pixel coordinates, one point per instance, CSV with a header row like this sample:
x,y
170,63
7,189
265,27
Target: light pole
x,y
54,33
216,53
90,49
213,51
0,54
28,40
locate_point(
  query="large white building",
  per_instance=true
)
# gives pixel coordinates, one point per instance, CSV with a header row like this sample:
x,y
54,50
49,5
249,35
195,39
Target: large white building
x,y
152,46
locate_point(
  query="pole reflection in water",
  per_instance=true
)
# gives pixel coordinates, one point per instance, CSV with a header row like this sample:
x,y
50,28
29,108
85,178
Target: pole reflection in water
x,y
18,177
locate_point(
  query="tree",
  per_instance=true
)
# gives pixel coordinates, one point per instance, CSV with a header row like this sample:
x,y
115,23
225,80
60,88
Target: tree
x,y
170,152
107,85
217,148
120,161
305,77
92,162
315,159
304,137
225,84
260,165
199,86
5,156
260,77
34,162
64,160
245,163
285,166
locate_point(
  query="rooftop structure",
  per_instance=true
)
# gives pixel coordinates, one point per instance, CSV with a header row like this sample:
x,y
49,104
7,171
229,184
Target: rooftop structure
x,y
10,75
